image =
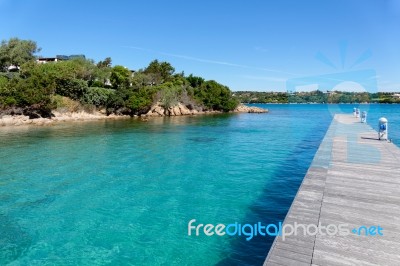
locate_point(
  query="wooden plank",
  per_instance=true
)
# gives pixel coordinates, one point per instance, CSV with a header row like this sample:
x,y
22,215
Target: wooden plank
x,y
353,179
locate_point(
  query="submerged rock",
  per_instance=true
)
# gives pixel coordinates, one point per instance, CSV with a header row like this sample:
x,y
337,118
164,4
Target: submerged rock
x,y
13,240
202,139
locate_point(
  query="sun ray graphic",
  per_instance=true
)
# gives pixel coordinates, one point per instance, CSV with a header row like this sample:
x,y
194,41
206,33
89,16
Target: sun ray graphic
x,y
343,54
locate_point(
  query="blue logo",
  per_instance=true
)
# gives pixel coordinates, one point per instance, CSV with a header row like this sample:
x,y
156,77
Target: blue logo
x,y
368,231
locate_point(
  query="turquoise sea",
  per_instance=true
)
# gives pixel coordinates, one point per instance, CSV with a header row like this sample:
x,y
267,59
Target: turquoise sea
x,y
123,192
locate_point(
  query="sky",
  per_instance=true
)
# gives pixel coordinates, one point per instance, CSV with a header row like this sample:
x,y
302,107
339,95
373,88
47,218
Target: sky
x,y
260,45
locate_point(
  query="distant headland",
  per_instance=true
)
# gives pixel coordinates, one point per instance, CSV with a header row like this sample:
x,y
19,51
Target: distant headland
x,y
317,96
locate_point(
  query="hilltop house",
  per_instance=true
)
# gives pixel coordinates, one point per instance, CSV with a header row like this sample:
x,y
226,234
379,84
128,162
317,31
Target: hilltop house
x,y
43,60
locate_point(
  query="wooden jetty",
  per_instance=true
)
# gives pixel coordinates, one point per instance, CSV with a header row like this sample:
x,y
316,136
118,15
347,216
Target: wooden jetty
x,y
354,179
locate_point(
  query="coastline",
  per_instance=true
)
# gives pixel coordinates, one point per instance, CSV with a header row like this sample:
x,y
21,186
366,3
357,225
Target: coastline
x,y
20,120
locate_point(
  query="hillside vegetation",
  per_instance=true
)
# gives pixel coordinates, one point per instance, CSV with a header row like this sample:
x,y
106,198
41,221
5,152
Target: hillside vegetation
x,y
35,89
316,97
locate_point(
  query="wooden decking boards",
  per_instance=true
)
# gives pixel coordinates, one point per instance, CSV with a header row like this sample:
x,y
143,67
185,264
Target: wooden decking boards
x,y
354,179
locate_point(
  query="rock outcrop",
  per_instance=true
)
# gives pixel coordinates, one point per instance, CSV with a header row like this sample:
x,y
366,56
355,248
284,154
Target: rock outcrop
x,y
180,109
18,120
177,110
250,109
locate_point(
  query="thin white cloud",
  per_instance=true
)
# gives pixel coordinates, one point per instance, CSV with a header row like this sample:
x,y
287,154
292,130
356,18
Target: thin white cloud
x,y
209,61
261,49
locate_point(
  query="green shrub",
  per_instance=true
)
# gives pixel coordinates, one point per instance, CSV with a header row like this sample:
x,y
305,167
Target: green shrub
x,y
10,101
169,95
73,88
3,83
97,96
139,104
115,101
96,83
31,91
215,96
141,100
7,102
65,104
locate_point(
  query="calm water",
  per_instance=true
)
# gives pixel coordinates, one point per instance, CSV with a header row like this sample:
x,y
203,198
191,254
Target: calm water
x,y
123,192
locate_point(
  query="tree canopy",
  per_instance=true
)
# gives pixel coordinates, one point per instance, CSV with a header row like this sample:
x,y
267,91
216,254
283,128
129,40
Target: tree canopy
x,y
159,71
16,52
120,77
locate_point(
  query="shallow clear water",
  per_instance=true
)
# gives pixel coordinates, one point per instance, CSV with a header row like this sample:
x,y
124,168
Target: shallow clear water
x,y
123,192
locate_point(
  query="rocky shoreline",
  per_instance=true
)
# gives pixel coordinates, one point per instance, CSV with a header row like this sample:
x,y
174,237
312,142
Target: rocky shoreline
x,y
155,111
180,109
19,120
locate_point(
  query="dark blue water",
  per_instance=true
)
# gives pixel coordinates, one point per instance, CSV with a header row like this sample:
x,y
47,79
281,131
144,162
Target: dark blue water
x,y
123,192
